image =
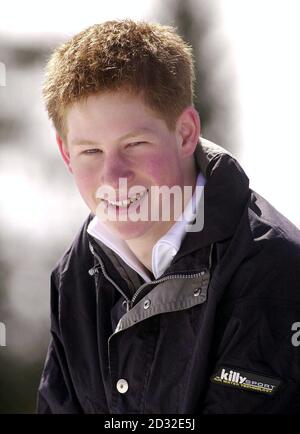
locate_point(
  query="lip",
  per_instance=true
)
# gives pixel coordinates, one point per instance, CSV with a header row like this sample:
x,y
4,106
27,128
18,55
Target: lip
x,y
121,199
118,210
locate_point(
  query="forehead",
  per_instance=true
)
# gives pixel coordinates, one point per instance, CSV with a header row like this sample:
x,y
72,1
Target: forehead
x,y
111,114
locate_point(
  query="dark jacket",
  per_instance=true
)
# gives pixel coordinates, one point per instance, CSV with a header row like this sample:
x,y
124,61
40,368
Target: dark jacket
x,y
215,334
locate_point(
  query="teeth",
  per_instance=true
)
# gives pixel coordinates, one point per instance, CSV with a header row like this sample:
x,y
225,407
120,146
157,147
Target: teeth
x,y
126,202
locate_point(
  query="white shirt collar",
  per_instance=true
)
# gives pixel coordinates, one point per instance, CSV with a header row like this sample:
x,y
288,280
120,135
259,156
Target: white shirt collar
x,y
165,248
169,244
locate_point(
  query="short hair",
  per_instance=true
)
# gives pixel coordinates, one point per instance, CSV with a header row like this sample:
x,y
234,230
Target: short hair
x,y
137,56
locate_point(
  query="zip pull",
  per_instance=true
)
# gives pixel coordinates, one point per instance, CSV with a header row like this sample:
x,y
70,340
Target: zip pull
x,y
128,305
94,270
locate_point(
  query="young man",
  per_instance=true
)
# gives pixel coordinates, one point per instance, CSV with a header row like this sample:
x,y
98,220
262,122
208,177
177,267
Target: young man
x,y
195,313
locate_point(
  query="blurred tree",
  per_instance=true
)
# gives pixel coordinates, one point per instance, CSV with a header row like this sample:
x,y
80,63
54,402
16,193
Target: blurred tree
x,y
18,379
19,134
18,385
197,22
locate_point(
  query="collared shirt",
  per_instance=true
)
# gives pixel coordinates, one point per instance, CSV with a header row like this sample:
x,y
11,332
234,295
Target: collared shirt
x,y
165,248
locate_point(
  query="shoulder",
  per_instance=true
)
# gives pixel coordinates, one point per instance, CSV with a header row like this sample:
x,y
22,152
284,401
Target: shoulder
x,y
266,256
276,237
77,258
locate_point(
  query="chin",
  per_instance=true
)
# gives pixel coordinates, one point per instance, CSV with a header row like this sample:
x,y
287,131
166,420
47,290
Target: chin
x,y
129,230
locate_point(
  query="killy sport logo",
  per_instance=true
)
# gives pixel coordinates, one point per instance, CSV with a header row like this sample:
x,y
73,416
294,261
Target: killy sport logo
x,y
245,380
232,376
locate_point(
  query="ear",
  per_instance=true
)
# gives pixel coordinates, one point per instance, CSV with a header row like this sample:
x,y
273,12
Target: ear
x,y
63,148
188,130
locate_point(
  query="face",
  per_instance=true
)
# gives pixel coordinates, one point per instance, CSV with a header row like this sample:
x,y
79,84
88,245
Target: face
x,y
114,136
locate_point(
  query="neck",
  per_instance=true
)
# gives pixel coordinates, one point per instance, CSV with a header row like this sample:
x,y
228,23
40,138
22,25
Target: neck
x,y
142,246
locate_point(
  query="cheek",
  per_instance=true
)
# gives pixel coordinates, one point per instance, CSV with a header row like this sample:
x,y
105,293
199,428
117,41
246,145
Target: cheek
x,y
86,179
163,168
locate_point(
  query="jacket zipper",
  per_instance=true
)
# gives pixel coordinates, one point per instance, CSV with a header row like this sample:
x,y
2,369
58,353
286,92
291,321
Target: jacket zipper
x,y
163,279
129,303
95,270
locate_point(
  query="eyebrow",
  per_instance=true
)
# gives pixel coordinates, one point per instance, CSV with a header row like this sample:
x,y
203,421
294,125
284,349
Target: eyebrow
x,y
133,133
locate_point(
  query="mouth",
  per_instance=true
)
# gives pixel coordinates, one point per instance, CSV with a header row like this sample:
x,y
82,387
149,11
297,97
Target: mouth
x,y
125,204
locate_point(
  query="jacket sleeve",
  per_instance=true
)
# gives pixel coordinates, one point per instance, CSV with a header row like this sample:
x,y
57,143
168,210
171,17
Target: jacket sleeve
x,y
56,393
258,340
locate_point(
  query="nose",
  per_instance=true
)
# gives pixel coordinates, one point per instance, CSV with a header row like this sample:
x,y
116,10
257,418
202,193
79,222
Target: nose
x,y
114,167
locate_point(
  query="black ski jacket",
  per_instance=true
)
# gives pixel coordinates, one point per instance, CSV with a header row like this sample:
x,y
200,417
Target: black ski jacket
x,y
218,332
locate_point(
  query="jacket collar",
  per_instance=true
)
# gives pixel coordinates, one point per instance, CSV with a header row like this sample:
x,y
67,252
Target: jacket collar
x,y
226,194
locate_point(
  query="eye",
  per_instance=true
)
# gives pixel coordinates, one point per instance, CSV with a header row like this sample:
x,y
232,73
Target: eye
x,y
91,151
135,144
